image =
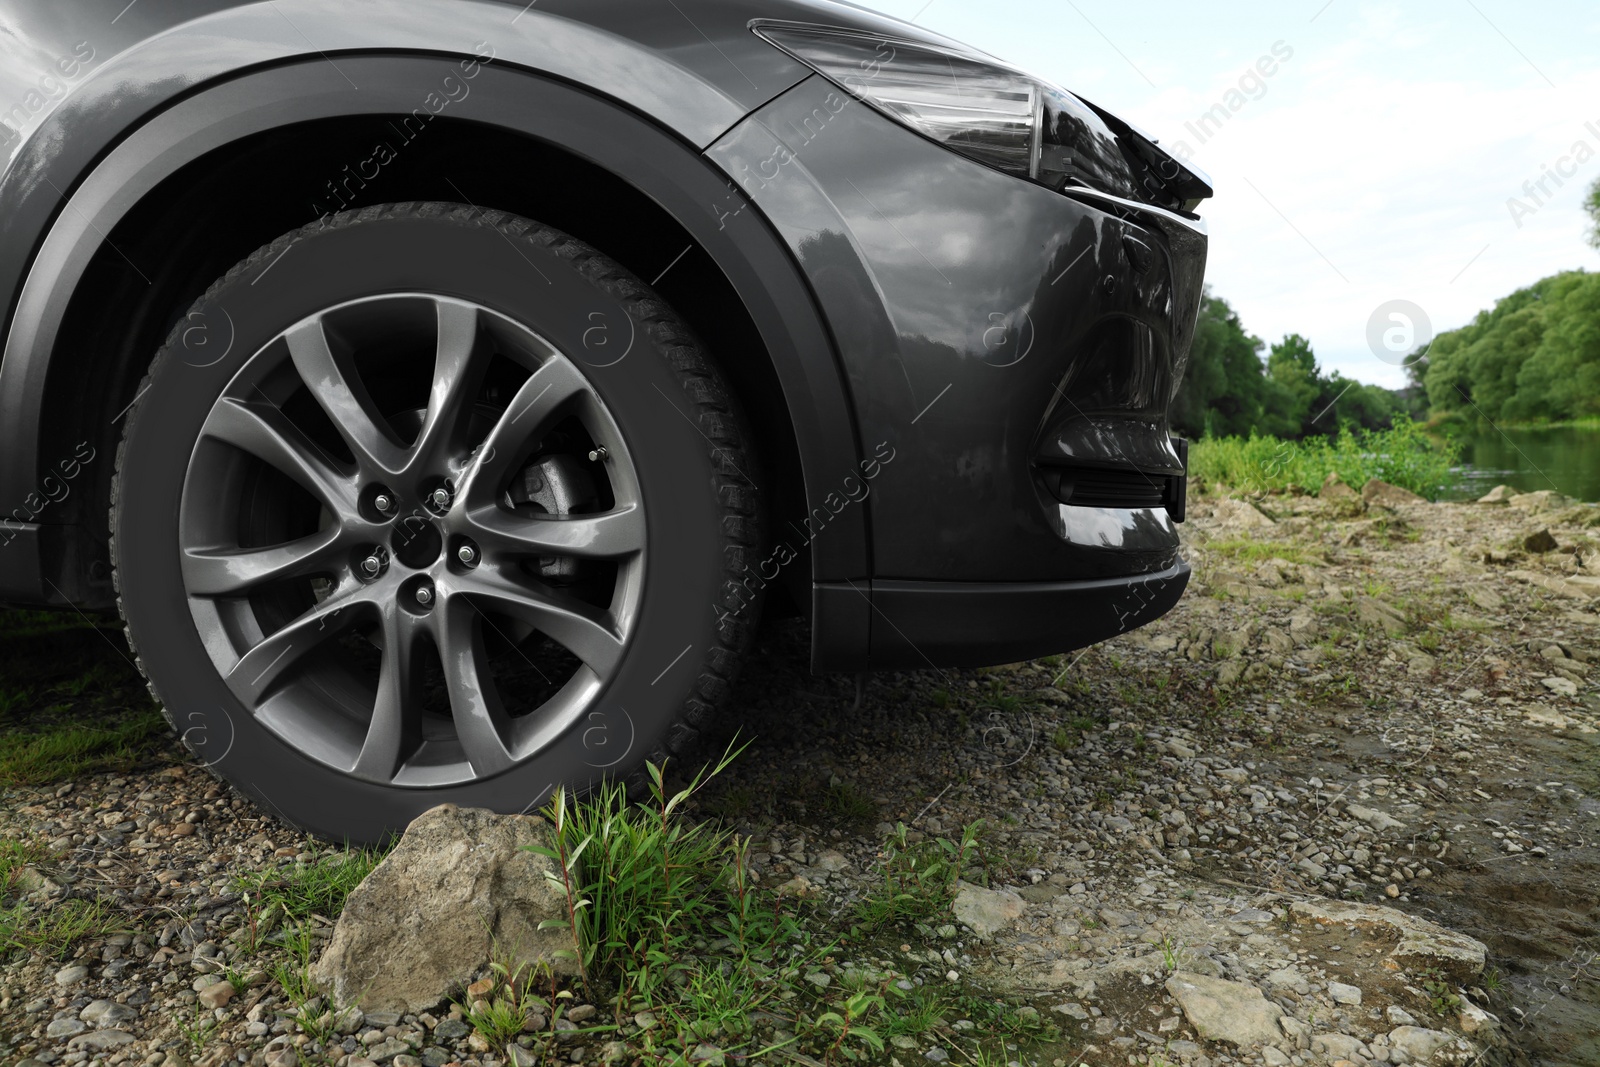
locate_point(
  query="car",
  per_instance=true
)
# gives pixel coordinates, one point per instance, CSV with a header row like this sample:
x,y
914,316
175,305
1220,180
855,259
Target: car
x,y
442,392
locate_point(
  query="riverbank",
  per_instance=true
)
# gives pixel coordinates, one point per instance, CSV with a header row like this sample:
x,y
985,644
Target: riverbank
x,y
1186,833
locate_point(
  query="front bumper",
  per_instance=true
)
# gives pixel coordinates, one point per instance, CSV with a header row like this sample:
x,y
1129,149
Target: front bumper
x,y
918,625
1013,349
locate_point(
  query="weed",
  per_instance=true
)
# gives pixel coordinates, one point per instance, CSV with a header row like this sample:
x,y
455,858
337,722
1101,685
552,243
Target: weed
x,y
919,878
847,802
1444,1000
500,1016
53,930
197,1029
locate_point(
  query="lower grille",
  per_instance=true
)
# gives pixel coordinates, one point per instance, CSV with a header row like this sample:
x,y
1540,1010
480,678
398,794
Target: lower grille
x,y
1106,489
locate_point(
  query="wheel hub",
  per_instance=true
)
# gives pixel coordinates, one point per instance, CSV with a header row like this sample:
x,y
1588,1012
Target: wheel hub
x,y
416,593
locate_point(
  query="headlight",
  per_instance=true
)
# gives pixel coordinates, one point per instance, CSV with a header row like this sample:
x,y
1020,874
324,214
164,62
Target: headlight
x,y
992,113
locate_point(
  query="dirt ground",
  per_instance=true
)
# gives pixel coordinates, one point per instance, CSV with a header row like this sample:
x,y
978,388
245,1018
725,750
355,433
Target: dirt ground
x,y
1354,707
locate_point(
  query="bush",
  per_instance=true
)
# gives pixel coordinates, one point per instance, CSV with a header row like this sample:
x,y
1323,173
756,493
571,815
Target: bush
x,y
1406,456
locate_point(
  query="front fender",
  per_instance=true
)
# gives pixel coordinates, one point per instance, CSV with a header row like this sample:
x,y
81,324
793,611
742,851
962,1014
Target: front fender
x,y
664,168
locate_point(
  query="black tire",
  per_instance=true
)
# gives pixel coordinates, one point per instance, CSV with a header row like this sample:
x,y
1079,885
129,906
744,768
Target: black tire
x,y
690,619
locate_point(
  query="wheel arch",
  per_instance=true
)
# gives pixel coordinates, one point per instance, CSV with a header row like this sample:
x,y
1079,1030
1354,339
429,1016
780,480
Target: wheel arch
x,y
201,185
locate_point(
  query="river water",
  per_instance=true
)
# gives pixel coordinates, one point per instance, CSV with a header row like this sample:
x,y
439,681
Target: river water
x,y
1563,458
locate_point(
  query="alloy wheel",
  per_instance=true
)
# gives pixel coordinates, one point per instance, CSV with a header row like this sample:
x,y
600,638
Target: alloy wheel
x,y
412,540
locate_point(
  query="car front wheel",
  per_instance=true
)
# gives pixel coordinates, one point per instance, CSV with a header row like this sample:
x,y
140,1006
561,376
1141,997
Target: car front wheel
x,y
425,504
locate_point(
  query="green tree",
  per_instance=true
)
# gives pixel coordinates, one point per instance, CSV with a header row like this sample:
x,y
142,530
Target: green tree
x,y
1292,366
1592,205
1224,387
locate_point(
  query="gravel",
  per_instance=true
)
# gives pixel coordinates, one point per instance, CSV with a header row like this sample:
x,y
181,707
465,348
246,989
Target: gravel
x,y
1368,716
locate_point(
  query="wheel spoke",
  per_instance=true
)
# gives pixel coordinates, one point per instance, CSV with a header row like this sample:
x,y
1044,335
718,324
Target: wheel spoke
x,y
480,719
582,629
266,433
457,376
340,393
230,572
263,665
531,410
606,536
395,727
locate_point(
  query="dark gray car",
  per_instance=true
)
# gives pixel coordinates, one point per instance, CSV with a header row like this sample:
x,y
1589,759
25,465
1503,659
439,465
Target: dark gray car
x,y
443,390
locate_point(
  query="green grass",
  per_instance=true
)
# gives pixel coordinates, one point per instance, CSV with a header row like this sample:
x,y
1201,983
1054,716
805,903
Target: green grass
x,y
66,751
316,885
52,930
1406,456
1248,550
665,915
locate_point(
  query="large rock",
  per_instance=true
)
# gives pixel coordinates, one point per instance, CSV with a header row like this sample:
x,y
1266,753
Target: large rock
x,y
986,911
1419,1043
1389,496
1334,488
1543,500
1540,541
1420,944
459,886
1372,612
1500,494
1220,1010
1231,512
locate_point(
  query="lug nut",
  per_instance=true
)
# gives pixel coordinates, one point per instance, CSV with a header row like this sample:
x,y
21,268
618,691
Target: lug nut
x,y
371,566
597,454
441,498
467,554
383,502
424,596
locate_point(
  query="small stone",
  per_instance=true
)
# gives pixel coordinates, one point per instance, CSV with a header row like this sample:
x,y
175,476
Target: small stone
x,y
819,979
106,1013
1397,1015
101,1040
986,911
451,1030
710,1055
581,1013
1540,541
1565,687
71,975
1391,890
645,1021
1418,1043
1500,494
517,1056
65,1027
1344,994
434,1056
1269,1055
215,996
284,1057
1221,1010
936,1055
480,989
406,1060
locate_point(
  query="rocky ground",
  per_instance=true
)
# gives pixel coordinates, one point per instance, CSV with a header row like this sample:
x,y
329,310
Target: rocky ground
x,y
1341,806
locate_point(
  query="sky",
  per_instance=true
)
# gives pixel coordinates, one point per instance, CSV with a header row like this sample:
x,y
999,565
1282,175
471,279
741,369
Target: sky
x,y
1379,161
